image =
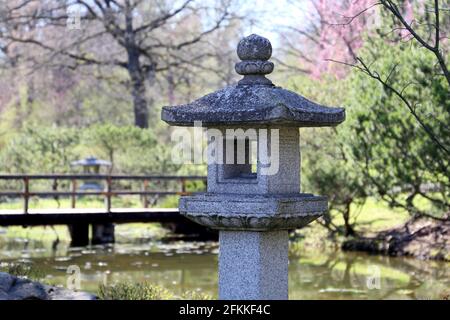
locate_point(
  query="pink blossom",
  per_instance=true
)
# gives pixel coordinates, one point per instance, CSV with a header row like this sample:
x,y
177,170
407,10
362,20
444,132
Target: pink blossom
x,y
339,33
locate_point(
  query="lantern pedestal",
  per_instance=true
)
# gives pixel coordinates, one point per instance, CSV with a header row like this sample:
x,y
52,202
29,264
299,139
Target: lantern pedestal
x,y
253,236
253,265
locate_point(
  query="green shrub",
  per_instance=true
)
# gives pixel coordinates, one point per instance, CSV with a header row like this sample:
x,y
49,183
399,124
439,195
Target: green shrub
x,y
130,291
145,291
195,295
24,270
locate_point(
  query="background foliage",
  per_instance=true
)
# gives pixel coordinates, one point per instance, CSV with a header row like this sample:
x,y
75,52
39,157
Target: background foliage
x,y
56,108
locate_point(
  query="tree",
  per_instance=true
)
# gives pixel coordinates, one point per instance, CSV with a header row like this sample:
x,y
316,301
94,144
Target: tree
x,y
389,146
406,151
130,150
337,29
430,34
139,37
110,139
40,149
331,171
328,167
334,30
383,146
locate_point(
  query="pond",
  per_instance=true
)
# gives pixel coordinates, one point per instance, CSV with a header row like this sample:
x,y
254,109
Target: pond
x,y
180,266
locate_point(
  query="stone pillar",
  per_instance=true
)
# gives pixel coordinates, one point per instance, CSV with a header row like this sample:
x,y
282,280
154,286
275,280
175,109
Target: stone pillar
x,y
253,265
103,233
79,234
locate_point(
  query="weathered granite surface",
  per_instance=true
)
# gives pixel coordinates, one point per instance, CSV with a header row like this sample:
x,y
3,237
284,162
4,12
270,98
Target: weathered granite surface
x,y
283,178
253,212
253,265
253,48
258,104
17,288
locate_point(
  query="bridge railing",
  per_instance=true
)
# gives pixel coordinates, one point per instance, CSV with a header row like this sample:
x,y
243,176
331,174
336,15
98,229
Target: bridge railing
x,y
108,192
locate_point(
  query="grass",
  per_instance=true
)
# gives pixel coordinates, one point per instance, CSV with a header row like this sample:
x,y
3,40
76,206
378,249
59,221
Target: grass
x,y
133,291
83,202
144,291
24,271
125,201
374,216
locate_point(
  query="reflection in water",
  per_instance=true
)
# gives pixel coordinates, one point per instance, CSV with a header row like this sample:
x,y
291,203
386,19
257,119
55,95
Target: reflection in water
x,y
181,266
360,276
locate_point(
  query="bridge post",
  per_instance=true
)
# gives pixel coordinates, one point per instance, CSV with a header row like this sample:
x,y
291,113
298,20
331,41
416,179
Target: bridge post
x,y
26,195
79,234
144,196
104,233
183,186
73,196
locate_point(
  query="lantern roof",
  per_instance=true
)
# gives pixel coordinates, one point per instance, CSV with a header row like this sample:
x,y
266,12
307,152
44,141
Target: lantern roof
x,y
254,99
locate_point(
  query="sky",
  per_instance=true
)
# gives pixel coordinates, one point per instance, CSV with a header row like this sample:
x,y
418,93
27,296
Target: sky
x,y
276,14
272,15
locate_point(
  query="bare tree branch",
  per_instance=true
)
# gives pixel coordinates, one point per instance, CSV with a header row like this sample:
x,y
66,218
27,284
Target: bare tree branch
x,y
435,49
373,74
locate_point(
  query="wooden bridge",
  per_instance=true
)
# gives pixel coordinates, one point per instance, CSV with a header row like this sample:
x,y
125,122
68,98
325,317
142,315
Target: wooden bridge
x,y
101,219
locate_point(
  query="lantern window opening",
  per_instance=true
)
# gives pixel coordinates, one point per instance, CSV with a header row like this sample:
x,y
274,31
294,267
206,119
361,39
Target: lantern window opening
x,y
239,158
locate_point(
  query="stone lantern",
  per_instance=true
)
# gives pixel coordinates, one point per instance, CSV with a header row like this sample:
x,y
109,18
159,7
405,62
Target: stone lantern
x,y
253,202
101,233
91,166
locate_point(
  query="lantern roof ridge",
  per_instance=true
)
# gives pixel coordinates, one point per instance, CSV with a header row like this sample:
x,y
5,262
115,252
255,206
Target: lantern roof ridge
x,y
254,99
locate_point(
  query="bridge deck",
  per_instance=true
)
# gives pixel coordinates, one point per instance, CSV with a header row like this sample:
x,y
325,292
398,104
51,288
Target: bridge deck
x,y
72,216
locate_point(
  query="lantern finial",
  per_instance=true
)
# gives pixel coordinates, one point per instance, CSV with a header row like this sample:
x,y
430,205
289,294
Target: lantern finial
x,y
254,51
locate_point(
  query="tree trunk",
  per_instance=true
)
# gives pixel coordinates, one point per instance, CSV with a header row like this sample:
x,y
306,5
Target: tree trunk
x,y
140,104
136,72
138,92
349,231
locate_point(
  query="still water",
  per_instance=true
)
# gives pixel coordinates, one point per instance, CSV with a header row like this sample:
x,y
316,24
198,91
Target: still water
x,y
180,266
